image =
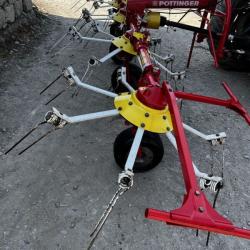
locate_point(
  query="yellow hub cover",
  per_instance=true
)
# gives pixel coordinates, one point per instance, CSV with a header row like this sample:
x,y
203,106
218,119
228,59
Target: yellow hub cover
x,y
157,121
124,44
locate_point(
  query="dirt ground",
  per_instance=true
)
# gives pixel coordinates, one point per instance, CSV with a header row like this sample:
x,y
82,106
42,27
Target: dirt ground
x,y
52,195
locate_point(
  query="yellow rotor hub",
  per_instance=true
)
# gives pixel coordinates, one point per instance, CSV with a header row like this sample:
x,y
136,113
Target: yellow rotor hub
x,y
129,107
114,4
124,44
119,18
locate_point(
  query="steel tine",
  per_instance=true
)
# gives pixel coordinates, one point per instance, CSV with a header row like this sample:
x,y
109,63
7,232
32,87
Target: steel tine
x,y
25,136
59,51
82,26
76,92
57,95
100,226
81,6
104,213
39,139
214,204
78,20
51,84
57,42
76,4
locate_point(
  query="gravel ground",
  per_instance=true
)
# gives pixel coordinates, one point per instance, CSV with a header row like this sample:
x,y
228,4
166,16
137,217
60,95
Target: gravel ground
x,y
52,195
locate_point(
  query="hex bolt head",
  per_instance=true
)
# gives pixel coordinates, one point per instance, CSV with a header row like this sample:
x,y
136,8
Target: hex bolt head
x,y
130,103
201,209
120,108
164,117
142,125
168,128
146,114
197,193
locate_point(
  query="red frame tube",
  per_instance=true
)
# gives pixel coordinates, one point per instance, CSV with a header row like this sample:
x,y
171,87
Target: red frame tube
x,y
195,212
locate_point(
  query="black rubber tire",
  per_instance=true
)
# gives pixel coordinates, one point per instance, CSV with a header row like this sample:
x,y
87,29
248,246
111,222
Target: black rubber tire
x,y
115,29
133,75
120,58
151,144
232,60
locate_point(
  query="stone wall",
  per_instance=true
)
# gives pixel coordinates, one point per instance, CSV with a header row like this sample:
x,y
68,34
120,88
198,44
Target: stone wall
x,y
11,10
14,14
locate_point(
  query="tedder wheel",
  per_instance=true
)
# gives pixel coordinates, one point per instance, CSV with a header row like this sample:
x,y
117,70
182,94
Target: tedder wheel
x,y
121,57
115,29
233,59
133,73
149,154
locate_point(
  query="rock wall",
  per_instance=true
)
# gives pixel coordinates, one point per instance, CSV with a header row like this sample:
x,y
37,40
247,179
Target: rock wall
x,y
14,14
11,10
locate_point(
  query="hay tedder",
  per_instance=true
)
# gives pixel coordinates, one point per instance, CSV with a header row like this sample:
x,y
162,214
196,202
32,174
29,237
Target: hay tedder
x,y
151,106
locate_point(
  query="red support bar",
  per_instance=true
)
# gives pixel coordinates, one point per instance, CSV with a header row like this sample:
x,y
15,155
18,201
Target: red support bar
x,y
232,103
158,215
195,212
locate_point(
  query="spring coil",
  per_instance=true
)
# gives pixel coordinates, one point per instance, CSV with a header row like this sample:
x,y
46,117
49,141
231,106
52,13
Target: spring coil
x,y
212,185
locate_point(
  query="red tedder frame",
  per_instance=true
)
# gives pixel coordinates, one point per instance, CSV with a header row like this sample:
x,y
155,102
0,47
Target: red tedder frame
x,y
195,212
209,7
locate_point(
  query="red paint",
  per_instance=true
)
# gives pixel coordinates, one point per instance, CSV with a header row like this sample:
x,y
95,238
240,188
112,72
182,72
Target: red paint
x,y
195,212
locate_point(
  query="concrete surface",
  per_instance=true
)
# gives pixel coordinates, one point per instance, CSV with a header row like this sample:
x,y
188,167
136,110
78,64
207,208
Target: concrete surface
x,y
52,195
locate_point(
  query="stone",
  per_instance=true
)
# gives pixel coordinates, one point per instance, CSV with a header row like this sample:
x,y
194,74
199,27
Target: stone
x,y
2,18
9,13
27,5
18,7
2,2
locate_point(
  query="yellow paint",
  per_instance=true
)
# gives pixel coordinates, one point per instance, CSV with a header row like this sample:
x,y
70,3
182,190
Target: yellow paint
x,y
138,35
129,107
153,19
124,44
119,18
114,4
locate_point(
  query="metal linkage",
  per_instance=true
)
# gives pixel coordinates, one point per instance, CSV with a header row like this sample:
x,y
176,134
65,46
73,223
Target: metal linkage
x,y
50,118
73,80
214,139
85,117
122,78
125,182
174,75
206,181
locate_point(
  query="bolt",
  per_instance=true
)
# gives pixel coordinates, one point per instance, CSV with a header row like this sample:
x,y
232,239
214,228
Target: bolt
x,y
146,114
120,108
197,193
142,125
130,103
201,209
164,117
168,128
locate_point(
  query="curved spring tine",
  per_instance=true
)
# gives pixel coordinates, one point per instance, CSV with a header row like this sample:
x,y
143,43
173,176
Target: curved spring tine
x,y
57,95
51,84
105,212
25,136
214,204
104,216
57,42
39,139
76,4
81,6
